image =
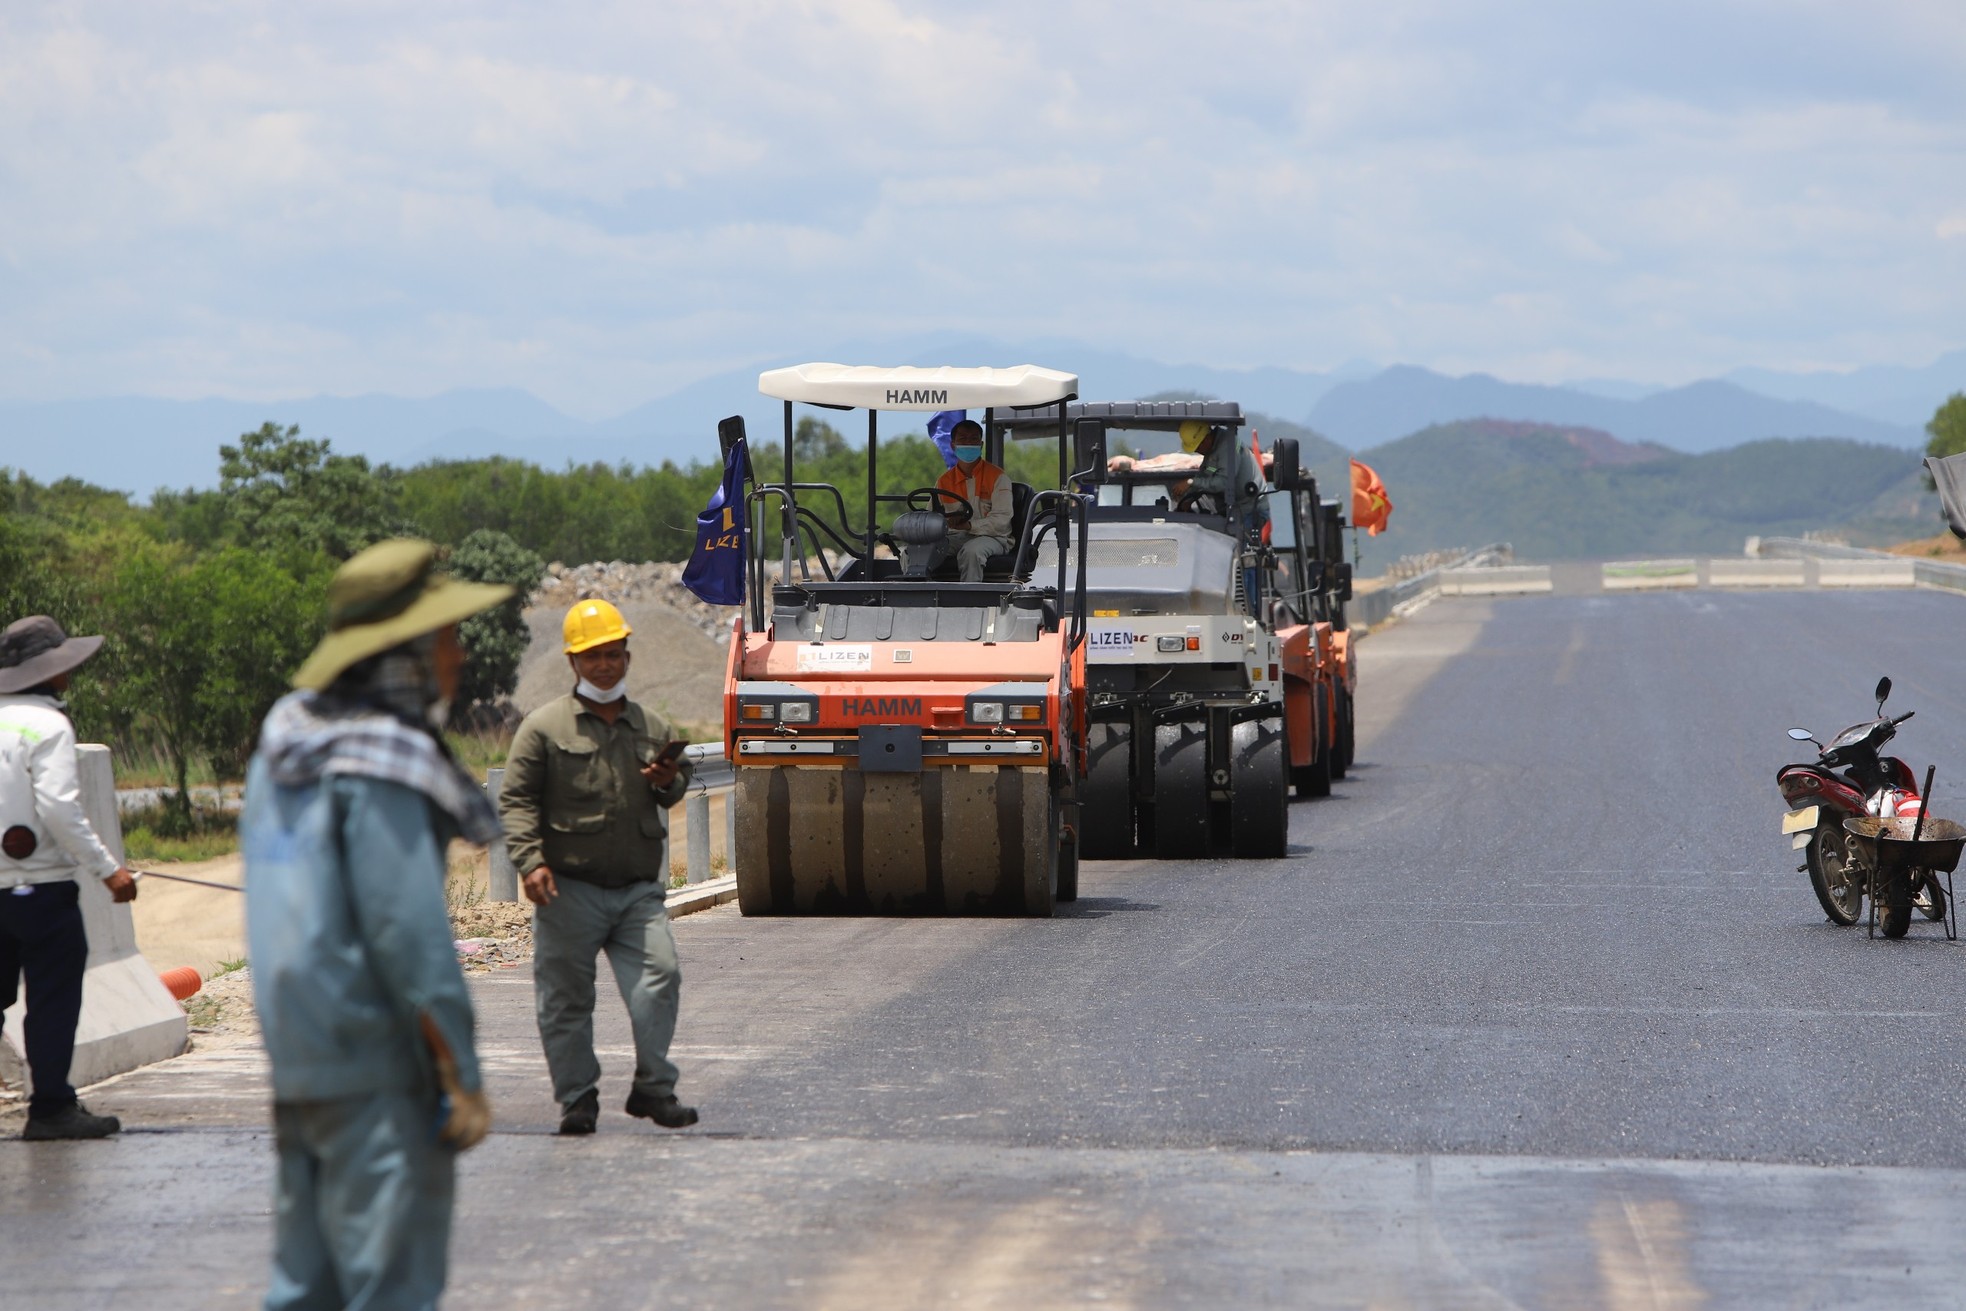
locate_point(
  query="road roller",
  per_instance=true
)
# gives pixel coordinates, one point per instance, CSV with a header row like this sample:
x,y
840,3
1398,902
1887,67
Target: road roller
x,y
904,742
1217,665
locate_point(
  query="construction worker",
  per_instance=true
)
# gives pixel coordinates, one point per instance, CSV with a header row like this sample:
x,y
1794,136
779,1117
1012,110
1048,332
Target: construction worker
x,y
351,802
47,847
982,530
1225,472
587,781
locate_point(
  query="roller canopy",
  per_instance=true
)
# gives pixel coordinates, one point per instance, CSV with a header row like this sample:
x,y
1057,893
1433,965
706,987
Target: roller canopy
x,y
1137,416
866,387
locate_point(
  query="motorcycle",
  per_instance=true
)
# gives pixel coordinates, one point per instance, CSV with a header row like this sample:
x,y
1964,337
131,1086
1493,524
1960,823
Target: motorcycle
x,y
1841,866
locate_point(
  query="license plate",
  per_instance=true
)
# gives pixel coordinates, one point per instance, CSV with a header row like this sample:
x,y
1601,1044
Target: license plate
x,y
1801,821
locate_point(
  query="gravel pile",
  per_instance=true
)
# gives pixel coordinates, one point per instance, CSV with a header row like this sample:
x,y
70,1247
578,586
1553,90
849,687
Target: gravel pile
x,y
622,583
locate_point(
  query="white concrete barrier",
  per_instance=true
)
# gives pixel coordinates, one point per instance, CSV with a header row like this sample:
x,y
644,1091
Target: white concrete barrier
x,y
1496,580
1650,575
128,1017
1867,573
1729,571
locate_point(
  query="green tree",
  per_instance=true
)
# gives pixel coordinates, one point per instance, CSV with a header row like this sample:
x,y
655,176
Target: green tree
x,y
289,494
495,640
199,648
1947,430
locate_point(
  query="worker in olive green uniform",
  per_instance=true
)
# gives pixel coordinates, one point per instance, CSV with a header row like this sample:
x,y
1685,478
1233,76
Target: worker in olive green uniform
x,y
586,787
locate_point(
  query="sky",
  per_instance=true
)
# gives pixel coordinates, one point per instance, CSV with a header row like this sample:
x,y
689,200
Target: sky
x,y
603,202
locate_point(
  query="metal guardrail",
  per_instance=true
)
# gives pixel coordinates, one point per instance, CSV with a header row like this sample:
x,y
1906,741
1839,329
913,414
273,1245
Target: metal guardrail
x,y
1924,573
1374,608
713,777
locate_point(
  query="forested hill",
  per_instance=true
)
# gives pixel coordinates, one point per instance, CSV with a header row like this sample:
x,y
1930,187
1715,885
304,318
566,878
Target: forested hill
x,y
1578,493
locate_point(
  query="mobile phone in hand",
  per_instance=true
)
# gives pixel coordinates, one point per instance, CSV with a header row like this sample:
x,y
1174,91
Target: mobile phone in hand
x,y
671,753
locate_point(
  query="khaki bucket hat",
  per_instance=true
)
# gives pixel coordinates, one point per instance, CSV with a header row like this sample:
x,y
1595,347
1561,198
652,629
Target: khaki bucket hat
x,y
385,596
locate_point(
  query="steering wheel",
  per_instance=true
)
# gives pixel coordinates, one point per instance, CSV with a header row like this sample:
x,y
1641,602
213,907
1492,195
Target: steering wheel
x,y
935,495
1192,502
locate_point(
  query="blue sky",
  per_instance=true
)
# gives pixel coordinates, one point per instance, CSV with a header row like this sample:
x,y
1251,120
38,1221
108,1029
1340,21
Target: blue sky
x,y
602,202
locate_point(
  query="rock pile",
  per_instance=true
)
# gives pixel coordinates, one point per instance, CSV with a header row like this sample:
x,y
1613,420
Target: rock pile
x,y
620,582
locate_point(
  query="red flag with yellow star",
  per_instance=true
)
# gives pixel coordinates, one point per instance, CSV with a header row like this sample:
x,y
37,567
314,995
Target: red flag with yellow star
x,y
1370,504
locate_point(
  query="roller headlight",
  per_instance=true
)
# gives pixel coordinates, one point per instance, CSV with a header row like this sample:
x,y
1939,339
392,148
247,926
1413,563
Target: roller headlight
x,y
795,712
986,712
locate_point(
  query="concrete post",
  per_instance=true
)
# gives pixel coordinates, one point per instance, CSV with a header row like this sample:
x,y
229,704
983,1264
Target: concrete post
x,y
504,876
696,817
128,1017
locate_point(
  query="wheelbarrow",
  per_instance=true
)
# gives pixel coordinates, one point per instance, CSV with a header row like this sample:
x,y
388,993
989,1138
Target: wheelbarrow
x,y
1892,849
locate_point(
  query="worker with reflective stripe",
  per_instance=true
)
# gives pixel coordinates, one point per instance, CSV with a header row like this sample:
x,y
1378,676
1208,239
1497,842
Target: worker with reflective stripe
x,y
351,802
46,846
587,781
983,529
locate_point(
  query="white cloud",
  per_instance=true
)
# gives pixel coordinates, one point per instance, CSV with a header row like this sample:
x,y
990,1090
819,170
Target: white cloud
x,y
602,204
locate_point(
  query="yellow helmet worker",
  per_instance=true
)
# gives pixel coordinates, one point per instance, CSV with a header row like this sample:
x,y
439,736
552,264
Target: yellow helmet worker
x,y
1193,433
590,623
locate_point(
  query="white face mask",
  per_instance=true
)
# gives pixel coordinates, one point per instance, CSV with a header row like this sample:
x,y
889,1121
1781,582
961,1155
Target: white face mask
x,y
602,695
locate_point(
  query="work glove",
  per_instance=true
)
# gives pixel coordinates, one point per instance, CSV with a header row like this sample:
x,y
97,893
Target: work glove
x,y
468,1122
469,1119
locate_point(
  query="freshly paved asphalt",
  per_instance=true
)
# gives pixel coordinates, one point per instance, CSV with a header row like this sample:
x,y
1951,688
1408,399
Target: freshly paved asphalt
x,y
1537,1013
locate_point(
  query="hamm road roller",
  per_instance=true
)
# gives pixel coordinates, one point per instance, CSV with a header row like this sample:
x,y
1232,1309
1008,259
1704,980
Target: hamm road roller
x,y
905,742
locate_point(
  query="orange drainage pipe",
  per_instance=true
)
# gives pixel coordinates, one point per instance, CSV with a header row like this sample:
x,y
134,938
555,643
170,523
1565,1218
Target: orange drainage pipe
x,y
182,982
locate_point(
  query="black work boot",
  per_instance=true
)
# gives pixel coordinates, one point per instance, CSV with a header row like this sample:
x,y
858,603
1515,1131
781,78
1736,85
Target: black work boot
x,y
72,1121
580,1117
663,1108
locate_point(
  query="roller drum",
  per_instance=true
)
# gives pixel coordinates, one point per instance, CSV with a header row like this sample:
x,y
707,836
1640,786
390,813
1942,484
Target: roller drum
x,y
955,840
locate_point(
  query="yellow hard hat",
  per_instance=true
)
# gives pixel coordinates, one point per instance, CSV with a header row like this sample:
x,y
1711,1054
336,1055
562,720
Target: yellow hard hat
x,y
590,623
1193,433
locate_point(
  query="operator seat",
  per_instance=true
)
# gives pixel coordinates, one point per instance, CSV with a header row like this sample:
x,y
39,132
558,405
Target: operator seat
x,y
919,530
997,568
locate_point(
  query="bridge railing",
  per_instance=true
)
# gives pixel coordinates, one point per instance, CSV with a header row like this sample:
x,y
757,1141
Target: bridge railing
x,y
1370,609
1925,573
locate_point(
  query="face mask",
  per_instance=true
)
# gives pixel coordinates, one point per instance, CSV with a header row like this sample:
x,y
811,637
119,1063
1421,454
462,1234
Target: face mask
x,y
437,714
969,454
603,696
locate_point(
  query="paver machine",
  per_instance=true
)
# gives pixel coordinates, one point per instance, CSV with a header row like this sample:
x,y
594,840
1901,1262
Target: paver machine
x,y
1213,666
905,743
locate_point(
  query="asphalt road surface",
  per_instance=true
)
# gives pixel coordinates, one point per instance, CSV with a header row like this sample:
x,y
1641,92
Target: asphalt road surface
x,y
1537,1013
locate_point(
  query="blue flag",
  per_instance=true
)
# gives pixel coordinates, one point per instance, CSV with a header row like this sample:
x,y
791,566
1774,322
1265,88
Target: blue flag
x,y
940,424
715,571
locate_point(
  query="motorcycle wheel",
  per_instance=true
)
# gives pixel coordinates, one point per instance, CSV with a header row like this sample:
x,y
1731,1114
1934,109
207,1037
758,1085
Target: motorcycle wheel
x,y
1835,873
1929,897
1894,903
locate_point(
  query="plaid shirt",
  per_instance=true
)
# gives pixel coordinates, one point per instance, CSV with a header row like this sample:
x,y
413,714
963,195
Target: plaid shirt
x,y
308,736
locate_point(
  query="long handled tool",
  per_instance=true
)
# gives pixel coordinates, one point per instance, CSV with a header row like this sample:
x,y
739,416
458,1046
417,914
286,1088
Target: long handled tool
x,y
185,878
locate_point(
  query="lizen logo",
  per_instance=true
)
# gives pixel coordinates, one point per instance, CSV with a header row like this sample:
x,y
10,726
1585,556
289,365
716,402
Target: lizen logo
x,y
917,396
881,707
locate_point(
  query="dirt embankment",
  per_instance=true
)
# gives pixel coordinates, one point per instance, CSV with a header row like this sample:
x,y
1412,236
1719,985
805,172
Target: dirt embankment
x,y
1945,546
679,645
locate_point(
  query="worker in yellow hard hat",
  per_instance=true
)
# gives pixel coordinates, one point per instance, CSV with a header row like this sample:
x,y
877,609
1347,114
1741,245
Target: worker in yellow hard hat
x,y
1225,477
587,783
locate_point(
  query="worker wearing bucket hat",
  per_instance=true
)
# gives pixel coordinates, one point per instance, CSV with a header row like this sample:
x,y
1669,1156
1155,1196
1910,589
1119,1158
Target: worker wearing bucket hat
x,y
47,847
351,802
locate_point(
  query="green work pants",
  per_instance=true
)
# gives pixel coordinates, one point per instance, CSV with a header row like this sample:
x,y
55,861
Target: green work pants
x,y
631,925
362,1213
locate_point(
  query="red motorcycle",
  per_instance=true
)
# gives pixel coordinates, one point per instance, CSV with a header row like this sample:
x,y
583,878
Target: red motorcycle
x,y
1850,780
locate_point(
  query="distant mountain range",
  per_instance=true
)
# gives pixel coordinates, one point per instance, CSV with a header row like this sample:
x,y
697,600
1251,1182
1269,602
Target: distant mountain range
x,y
139,444
1558,492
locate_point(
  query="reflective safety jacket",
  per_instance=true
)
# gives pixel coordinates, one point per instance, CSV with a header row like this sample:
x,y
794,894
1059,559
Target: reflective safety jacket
x,y
39,791
988,492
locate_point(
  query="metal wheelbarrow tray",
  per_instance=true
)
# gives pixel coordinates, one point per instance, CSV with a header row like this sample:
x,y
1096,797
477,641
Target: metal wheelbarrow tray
x,y
1891,846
